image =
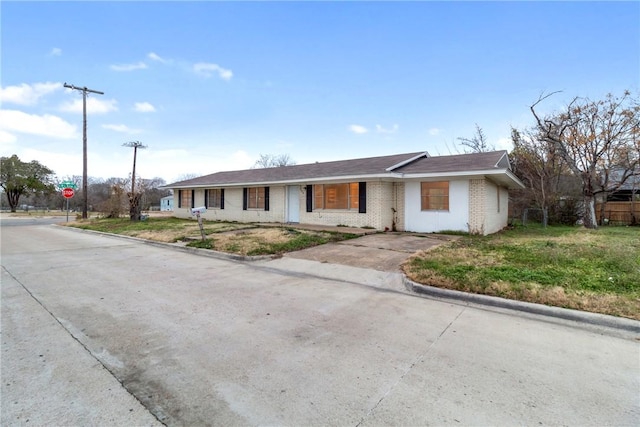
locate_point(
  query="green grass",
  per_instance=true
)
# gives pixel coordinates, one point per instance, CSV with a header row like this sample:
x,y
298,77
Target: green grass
x,y
566,266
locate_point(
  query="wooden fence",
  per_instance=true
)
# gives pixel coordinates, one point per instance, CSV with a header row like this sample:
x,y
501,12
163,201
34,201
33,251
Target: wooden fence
x,y
620,213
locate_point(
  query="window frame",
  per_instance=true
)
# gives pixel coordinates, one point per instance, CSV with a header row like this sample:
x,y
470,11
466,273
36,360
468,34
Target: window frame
x,y
215,198
440,202
342,196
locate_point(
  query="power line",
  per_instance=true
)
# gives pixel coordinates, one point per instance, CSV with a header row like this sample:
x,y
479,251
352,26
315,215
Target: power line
x,y
84,90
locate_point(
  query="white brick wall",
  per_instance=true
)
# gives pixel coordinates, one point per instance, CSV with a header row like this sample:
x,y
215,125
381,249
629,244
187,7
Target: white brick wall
x,y
233,207
477,200
473,207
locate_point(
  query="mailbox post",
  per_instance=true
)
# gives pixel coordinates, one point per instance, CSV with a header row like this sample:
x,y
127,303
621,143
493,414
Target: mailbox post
x,y
197,212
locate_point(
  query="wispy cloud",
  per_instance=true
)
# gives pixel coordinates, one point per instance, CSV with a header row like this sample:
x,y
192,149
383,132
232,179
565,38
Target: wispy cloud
x,y
434,131
129,67
94,106
358,129
207,70
155,57
56,51
121,128
381,129
27,94
144,107
44,125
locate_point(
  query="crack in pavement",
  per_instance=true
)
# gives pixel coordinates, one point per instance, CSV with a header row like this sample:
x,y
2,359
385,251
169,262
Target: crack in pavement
x,y
419,358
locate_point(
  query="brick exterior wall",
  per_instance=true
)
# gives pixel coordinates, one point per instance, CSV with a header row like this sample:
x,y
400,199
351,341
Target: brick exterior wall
x,y
378,215
486,214
477,209
398,205
233,207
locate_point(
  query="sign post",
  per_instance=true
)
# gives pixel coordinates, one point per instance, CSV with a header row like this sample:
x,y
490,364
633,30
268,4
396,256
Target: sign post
x,y
68,192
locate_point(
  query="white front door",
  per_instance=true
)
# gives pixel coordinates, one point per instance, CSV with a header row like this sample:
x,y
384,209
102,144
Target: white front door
x,y
293,203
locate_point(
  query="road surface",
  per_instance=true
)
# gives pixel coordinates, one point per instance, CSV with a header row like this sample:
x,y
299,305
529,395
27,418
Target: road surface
x,y
98,330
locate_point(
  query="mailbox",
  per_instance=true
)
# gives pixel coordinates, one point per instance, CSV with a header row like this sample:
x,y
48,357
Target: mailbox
x,y
198,211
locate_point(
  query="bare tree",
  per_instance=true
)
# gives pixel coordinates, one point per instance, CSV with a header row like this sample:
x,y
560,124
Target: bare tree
x,y
594,137
550,185
273,161
477,143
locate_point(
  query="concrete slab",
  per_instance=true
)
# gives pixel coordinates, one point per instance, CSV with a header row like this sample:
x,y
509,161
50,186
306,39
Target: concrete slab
x,y
381,251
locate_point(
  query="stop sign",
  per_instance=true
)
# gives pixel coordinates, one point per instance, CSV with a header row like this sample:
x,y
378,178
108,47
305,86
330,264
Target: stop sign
x,y
67,193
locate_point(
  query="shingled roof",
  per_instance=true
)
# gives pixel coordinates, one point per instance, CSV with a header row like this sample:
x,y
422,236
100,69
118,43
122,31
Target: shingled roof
x,y
394,166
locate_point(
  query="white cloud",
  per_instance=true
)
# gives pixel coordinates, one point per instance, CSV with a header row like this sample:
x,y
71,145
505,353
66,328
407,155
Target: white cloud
x,y
358,129
155,57
380,129
504,144
56,51
6,139
129,67
121,128
205,69
94,106
434,131
144,107
27,94
45,125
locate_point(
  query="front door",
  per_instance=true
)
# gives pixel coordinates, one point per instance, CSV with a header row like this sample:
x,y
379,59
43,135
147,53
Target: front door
x,y
293,203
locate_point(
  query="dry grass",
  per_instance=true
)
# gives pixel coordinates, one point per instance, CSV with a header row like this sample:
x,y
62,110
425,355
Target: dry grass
x,y
248,241
589,270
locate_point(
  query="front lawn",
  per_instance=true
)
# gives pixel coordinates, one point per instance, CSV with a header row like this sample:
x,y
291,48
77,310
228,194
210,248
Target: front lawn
x,y
232,237
591,270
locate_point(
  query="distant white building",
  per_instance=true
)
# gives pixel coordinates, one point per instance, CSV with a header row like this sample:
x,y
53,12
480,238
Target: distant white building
x,y
166,203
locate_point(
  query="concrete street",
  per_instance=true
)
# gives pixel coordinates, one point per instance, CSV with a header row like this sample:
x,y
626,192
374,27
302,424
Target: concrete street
x,y
99,330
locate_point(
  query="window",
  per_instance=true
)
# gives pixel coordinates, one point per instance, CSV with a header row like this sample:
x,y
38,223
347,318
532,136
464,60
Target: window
x,y
336,196
498,190
185,199
435,195
215,198
256,198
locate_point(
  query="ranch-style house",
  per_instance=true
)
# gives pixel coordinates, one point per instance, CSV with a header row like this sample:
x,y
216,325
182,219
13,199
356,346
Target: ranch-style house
x,y
412,192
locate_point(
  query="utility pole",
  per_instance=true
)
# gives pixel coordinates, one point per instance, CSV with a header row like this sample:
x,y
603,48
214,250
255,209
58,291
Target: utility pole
x,y
84,143
134,212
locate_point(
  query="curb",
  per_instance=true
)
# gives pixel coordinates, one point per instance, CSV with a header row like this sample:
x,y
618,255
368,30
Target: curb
x,y
528,307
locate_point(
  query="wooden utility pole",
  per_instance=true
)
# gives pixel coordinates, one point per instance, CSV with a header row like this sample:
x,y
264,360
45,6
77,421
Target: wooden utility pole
x,y
134,199
84,143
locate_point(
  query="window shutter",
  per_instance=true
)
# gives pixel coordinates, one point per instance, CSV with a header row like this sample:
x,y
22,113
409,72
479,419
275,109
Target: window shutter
x,y
193,198
266,198
222,199
309,198
206,198
362,197
244,198
179,198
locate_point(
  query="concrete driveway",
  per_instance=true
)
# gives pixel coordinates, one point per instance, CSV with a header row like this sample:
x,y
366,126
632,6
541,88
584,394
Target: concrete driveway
x,y
381,251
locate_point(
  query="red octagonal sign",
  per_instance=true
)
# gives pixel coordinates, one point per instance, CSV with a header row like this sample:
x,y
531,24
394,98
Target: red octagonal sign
x,y
67,193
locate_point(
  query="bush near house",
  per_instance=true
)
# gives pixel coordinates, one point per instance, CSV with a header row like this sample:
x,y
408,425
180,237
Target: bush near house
x,y
572,267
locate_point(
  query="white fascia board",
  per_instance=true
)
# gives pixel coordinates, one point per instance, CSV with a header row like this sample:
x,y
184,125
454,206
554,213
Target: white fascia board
x,y
469,174
344,178
404,162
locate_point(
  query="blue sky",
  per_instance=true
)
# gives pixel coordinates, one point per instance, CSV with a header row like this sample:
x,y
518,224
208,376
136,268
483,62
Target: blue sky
x,y
210,86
